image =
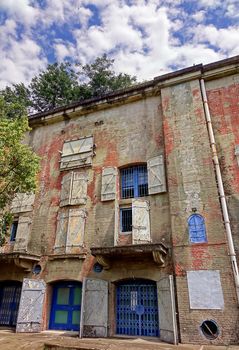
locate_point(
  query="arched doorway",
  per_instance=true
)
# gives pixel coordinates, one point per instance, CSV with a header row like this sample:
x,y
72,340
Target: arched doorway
x,y
10,293
137,308
66,306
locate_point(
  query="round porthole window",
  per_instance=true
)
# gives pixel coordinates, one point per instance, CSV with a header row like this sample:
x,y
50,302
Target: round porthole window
x,y
210,329
36,269
97,268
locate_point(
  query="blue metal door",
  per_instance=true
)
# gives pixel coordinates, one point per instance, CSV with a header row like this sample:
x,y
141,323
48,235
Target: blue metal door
x,y
137,308
66,306
10,293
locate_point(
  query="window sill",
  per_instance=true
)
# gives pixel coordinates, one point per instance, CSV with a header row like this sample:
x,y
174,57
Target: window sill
x,y
128,201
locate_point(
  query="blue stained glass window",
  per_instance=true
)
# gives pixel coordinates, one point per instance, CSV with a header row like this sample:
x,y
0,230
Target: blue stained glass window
x,y
197,229
134,181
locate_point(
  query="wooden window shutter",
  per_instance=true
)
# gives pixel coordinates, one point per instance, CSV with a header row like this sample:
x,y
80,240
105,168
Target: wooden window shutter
x,y
140,221
74,189
117,223
22,202
108,187
76,229
156,175
78,189
77,153
66,185
61,231
31,306
22,235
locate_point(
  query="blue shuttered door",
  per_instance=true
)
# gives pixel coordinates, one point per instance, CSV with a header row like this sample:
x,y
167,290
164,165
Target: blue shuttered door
x,y
137,309
66,306
9,303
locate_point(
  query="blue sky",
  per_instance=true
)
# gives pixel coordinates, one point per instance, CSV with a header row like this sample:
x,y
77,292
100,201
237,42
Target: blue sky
x,y
146,38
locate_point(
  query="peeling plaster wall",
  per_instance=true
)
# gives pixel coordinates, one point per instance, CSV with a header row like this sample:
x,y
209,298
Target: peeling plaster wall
x,y
128,134
223,98
192,187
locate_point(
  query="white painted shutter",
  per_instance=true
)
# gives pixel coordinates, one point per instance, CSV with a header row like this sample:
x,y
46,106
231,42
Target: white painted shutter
x,y
22,202
74,189
31,305
167,311
61,231
94,311
77,153
108,187
79,189
140,221
156,175
22,235
76,229
66,189
117,223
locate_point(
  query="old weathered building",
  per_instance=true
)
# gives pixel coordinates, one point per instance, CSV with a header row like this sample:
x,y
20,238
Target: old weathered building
x,y
128,232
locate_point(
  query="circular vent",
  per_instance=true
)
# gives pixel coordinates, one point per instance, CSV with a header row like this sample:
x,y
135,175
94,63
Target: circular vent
x,y
97,268
36,269
210,329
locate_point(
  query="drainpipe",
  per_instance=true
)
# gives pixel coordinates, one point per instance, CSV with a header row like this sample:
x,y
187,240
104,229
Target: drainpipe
x,y
232,253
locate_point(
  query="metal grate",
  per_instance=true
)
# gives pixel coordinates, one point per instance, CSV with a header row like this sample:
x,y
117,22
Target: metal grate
x,y
137,309
9,304
134,181
126,219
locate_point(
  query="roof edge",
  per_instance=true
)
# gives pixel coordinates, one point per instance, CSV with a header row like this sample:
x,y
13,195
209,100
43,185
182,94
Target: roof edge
x,y
139,87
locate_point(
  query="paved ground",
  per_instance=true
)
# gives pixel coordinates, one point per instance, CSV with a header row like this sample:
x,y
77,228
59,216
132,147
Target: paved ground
x,y
13,341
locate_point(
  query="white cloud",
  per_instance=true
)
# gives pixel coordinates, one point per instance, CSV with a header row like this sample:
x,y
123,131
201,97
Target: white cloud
x,y
20,10
20,58
199,16
225,39
145,37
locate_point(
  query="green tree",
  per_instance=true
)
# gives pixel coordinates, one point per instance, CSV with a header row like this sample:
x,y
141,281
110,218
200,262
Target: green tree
x,y
17,100
60,85
102,79
18,163
54,87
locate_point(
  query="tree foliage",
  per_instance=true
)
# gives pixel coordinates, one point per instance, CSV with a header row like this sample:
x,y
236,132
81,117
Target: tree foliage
x,y
18,163
60,85
54,87
102,79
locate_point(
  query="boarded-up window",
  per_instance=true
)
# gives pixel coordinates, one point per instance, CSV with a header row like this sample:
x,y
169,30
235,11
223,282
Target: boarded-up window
x,y
205,290
61,231
76,229
22,235
77,153
140,221
31,306
73,189
108,187
70,230
156,175
22,202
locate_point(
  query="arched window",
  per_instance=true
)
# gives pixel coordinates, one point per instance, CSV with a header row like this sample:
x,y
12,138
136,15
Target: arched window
x,y
197,229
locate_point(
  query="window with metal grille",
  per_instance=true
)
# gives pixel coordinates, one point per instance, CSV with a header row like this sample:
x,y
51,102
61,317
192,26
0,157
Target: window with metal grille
x,y
134,181
126,219
197,229
13,231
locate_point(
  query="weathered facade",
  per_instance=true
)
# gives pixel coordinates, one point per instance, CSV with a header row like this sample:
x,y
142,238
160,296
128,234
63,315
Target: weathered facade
x,y
126,234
